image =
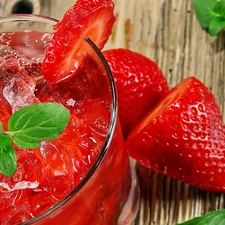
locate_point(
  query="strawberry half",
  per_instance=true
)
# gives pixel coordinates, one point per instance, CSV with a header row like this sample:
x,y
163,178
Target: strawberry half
x,y
67,47
140,85
183,137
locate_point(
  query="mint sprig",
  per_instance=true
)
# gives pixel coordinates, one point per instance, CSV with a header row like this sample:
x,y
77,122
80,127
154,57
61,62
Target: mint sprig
x,y
8,158
211,218
211,15
27,127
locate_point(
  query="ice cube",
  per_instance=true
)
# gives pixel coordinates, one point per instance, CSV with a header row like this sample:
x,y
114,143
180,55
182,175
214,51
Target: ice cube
x,y
19,93
4,187
30,43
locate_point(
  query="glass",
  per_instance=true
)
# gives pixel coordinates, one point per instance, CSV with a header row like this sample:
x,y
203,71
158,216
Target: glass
x,y
109,192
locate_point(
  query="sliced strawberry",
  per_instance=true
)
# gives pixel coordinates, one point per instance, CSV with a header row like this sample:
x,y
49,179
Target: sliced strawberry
x,y
67,48
183,137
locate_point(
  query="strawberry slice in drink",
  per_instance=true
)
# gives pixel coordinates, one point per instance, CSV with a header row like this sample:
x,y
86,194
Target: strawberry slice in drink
x,y
67,47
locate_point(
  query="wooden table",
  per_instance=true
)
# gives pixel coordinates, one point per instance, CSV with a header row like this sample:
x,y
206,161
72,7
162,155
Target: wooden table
x,y
166,31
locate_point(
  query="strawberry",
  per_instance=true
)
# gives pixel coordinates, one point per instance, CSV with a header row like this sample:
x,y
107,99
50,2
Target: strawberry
x,y
67,47
183,137
140,84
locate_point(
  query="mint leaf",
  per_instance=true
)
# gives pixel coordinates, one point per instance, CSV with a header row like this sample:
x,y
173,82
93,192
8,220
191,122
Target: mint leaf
x,y
216,25
217,22
8,163
212,218
35,123
27,128
203,8
211,15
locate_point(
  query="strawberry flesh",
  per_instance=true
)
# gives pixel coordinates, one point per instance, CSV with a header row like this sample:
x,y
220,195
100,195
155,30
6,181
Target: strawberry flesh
x,y
68,47
183,137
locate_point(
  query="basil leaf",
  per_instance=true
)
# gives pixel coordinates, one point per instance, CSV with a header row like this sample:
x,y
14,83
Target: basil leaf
x,y
35,123
212,218
8,158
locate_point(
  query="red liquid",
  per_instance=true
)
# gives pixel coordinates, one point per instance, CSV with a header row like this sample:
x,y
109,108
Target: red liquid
x,y
47,175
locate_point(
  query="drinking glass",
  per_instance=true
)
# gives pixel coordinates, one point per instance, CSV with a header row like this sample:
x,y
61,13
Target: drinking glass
x,y
109,192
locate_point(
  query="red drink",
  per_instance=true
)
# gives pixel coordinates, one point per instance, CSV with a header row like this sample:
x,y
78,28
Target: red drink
x,y
82,177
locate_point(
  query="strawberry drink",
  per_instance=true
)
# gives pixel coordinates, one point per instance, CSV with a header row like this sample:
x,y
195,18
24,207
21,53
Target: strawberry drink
x,y
83,176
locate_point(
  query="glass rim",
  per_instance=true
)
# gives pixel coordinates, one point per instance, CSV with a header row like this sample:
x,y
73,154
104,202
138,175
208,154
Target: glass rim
x,y
113,117
28,17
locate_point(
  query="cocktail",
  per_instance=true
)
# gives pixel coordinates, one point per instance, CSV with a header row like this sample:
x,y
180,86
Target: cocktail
x,y
84,176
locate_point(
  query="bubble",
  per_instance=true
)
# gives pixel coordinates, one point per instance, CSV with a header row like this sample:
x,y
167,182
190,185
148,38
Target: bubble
x,y
4,49
21,61
14,53
46,38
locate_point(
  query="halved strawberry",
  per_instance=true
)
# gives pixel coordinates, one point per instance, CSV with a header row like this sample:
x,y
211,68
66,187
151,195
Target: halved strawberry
x,y
183,137
67,47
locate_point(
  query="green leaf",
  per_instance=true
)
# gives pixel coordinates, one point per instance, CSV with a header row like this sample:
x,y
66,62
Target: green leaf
x,y
211,14
203,9
216,26
8,163
35,123
212,218
217,22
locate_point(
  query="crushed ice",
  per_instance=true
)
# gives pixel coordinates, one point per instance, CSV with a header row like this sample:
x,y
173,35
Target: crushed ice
x,y
71,102
18,186
17,95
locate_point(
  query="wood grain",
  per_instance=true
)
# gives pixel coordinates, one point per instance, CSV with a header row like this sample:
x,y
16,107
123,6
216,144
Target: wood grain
x,y
168,32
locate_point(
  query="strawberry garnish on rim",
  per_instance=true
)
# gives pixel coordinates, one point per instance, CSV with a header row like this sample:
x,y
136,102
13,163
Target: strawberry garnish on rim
x,y
68,47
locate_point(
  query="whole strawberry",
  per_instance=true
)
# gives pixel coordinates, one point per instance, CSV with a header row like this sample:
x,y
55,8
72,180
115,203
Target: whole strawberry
x,y
183,137
140,84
